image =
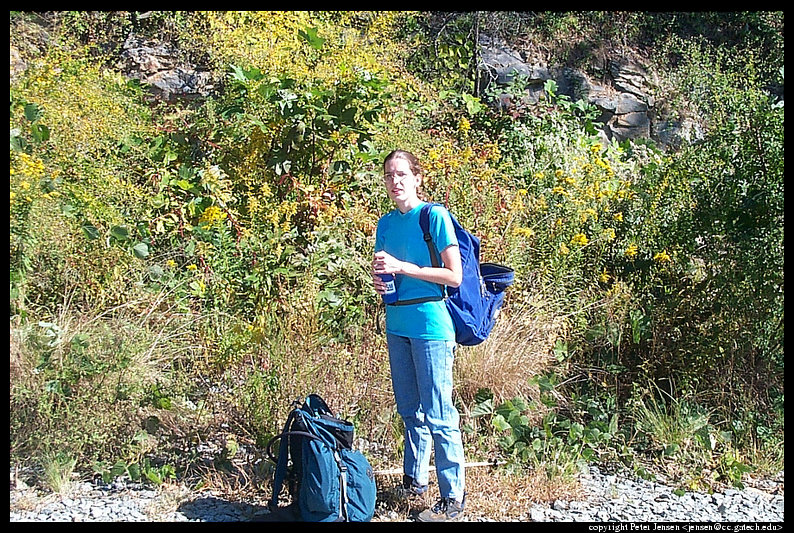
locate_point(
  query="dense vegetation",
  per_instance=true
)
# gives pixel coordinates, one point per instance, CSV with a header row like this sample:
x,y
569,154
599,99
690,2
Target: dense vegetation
x,y
183,270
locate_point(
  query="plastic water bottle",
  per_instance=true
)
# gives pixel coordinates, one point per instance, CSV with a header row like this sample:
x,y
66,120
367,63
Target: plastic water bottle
x,y
390,296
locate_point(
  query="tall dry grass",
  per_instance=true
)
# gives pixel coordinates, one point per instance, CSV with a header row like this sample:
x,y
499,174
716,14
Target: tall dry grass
x,y
519,347
81,385
288,353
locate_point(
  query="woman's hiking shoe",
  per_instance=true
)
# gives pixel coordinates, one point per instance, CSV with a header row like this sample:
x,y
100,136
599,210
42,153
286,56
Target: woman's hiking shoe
x,y
445,510
411,486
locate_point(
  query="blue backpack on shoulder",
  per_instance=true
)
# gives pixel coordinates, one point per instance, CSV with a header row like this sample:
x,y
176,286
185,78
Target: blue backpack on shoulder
x,y
475,304
329,480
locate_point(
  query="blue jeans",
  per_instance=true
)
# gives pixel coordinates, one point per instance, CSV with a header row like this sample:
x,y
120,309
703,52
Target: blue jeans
x,y
421,373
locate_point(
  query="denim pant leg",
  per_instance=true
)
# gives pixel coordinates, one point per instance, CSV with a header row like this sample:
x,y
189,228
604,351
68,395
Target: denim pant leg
x,y
418,442
422,381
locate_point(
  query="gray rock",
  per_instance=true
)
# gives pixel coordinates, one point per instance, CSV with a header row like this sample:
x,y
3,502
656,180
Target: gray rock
x,y
156,64
560,505
624,97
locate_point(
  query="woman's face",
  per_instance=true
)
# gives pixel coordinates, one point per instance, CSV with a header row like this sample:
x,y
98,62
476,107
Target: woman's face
x,y
401,182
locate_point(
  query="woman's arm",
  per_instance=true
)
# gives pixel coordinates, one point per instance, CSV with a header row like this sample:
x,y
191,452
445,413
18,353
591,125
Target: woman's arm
x,y
451,274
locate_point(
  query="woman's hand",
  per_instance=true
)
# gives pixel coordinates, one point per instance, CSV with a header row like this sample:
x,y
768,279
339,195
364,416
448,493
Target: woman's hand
x,y
378,284
384,263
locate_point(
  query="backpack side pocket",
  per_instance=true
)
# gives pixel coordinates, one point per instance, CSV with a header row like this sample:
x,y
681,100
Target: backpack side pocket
x,y
361,489
319,495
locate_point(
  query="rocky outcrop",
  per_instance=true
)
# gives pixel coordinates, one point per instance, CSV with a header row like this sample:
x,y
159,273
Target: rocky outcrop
x,y
156,63
30,40
18,64
624,96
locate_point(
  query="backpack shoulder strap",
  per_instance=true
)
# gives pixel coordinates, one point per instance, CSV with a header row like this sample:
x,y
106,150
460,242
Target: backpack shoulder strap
x,y
281,465
424,224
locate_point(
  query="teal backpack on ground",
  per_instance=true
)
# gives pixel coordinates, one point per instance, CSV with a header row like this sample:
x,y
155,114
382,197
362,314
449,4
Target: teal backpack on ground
x,y
330,481
475,303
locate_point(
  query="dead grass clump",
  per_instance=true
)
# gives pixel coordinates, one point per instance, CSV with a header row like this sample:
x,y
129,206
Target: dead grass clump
x,y
492,494
519,347
500,495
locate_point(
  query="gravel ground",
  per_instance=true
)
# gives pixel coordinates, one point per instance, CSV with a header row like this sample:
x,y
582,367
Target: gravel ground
x,y
608,498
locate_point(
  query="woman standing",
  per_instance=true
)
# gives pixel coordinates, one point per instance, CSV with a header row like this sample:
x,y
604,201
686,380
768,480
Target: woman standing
x,y
421,336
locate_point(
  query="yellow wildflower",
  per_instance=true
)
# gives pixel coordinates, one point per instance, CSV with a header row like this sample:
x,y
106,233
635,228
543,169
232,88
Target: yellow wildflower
x,y
588,213
517,204
631,251
253,204
604,277
211,215
170,263
618,216
564,249
524,232
493,151
661,257
464,125
580,239
191,267
605,165
609,233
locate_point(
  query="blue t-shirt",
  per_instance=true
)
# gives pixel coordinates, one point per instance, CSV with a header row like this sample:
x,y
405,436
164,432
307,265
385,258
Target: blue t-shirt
x,y
400,235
